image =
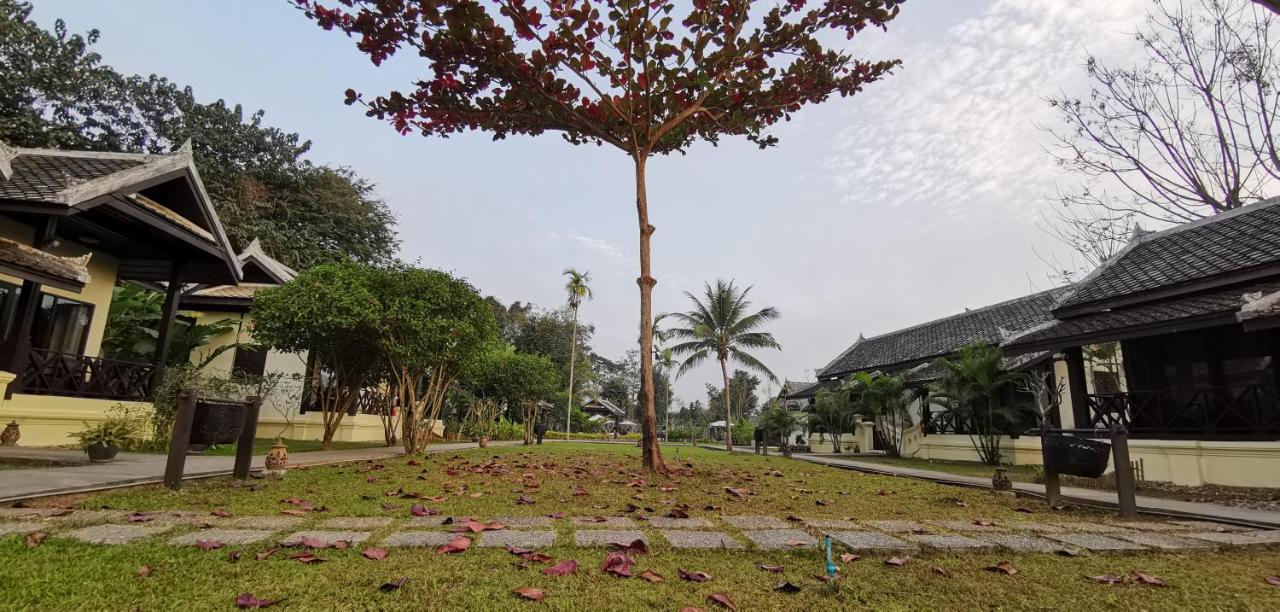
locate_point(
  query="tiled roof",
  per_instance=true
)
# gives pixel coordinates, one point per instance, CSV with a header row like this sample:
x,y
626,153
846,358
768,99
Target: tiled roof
x,y
241,291
991,324
21,256
1216,302
1232,242
38,177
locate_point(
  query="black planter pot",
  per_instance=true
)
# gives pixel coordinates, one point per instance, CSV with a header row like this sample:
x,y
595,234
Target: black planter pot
x,y
217,423
101,453
1075,456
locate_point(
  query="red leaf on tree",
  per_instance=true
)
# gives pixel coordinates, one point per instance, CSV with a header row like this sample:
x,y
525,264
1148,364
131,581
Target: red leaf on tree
x,y
246,601
530,593
456,545
562,568
723,599
374,553
618,563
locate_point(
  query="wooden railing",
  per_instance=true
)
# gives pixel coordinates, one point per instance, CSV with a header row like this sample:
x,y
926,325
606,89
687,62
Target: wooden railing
x,y
52,373
1248,412
372,401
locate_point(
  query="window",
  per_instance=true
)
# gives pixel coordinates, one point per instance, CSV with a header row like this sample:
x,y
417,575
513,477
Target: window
x,y
249,362
61,325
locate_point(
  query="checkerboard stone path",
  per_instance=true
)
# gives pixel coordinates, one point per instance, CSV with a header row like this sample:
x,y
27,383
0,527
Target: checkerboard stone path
x,y
327,538
733,532
225,536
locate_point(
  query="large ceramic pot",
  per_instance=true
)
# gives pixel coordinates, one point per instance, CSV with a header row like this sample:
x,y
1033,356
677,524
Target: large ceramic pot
x,y
277,457
217,422
101,453
1075,456
484,441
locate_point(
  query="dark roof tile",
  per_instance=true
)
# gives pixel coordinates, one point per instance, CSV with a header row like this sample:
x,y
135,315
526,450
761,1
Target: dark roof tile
x,y
40,178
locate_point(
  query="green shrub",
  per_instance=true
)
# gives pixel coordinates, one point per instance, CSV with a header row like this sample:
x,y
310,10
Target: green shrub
x,y
743,431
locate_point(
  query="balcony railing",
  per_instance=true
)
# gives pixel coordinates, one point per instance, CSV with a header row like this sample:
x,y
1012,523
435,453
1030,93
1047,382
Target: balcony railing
x,y
51,373
1249,412
372,401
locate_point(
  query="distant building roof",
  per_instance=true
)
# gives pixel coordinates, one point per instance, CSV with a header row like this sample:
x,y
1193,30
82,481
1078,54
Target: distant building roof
x,y
928,341
599,405
255,265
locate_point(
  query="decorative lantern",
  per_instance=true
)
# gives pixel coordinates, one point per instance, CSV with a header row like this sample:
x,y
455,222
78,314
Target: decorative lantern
x,y
277,458
1000,480
10,435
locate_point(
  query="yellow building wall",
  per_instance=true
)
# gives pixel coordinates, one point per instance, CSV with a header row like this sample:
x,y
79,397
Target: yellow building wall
x,y
1183,462
49,420
102,268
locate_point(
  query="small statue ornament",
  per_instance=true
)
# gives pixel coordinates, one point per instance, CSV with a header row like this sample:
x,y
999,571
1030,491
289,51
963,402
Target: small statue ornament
x,y
10,435
277,458
1000,480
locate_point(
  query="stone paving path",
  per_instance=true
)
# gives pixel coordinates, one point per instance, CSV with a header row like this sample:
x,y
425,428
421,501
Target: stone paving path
x,y
725,532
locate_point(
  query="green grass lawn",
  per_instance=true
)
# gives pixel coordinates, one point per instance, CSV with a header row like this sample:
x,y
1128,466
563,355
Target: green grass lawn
x,y
262,445
65,575
1020,473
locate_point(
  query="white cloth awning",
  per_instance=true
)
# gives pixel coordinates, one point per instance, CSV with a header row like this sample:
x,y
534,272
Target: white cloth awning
x,y
716,424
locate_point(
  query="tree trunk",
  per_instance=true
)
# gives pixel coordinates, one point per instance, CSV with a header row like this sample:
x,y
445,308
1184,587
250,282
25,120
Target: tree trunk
x,y
573,357
649,437
728,413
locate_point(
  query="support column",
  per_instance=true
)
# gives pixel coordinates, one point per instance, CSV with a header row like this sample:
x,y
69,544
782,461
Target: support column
x,y
1126,488
168,312
17,346
1077,388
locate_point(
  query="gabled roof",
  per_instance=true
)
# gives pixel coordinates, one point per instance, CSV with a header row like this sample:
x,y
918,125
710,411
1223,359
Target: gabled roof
x,y
600,405
255,265
30,263
68,183
1231,247
254,256
927,341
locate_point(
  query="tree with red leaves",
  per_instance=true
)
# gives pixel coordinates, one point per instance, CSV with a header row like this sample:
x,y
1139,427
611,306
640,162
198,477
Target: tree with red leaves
x,y
626,73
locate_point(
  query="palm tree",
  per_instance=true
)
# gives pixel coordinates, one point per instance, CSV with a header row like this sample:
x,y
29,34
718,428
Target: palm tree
x,y
883,397
663,358
781,421
578,289
719,327
831,415
972,388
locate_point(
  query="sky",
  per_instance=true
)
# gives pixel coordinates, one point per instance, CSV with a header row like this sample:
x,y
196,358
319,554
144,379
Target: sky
x,y
913,200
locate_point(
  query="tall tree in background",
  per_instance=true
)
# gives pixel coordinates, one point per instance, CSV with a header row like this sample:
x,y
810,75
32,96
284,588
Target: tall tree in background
x,y
1189,133
626,73
56,92
720,327
578,288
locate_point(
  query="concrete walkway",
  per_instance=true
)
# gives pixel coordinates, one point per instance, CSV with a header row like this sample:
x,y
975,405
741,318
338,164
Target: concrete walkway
x,y
130,469
1263,519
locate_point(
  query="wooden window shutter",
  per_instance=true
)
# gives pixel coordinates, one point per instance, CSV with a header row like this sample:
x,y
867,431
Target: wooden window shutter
x,y
249,361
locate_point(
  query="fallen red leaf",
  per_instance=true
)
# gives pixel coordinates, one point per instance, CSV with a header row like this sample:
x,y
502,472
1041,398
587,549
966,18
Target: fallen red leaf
x,y
1145,578
307,558
375,554
1273,580
563,568
220,513
312,542
678,514
618,563
245,601
897,561
456,545
145,570
776,569
36,538
208,544
537,557
652,576
724,600
234,556
530,593
421,510
982,522
387,587
847,557
515,550
556,515
267,553
693,576
941,571
1108,579
786,587
636,546
141,517
523,500
737,492
1003,567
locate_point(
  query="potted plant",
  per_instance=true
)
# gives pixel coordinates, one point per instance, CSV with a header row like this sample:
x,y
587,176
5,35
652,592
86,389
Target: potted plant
x,y
103,441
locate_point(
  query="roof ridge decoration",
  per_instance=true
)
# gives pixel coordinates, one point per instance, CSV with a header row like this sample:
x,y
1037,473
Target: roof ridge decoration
x,y
7,153
1259,306
274,268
